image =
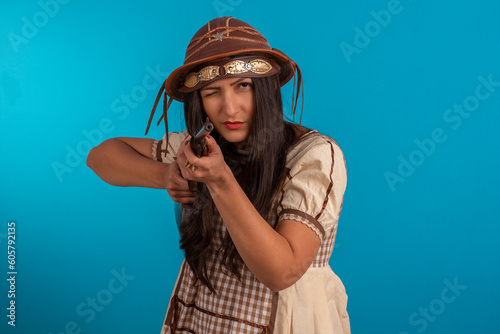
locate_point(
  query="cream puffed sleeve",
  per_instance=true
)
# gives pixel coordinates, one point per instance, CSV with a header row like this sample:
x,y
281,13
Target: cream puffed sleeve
x,y
166,154
313,189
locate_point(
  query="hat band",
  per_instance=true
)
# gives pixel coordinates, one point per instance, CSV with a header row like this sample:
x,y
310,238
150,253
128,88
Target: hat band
x,y
234,67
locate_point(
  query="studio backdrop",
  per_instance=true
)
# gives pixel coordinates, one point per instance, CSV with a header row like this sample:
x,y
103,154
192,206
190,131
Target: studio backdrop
x,y
410,90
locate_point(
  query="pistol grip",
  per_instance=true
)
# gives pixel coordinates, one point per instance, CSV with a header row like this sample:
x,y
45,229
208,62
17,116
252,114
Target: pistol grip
x,y
200,149
193,186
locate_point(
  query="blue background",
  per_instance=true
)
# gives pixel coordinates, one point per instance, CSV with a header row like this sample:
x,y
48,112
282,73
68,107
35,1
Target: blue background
x,y
401,242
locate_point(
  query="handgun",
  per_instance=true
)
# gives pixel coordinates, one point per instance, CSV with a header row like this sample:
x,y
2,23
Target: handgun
x,y
199,147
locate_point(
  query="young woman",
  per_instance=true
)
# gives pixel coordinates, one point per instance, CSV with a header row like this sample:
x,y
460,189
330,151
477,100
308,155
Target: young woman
x,y
259,232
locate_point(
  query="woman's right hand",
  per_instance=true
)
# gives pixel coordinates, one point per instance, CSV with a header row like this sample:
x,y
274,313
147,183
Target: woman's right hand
x,y
178,187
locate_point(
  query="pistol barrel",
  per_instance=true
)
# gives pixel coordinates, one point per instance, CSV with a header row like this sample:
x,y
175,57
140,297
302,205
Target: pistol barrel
x,y
198,144
205,130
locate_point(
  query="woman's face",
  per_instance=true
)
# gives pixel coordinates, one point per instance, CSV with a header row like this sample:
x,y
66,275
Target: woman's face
x,y
230,105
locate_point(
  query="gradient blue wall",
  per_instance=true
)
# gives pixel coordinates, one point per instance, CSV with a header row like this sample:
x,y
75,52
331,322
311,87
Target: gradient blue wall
x,y
409,89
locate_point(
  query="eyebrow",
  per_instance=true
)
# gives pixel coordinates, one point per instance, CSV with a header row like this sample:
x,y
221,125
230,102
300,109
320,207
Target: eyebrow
x,y
218,87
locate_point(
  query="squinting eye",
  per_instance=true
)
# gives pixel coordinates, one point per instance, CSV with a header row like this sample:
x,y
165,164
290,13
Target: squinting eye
x,y
245,84
209,94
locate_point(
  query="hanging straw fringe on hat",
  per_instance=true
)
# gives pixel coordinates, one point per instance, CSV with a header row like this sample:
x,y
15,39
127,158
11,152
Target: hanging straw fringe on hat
x,y
166,105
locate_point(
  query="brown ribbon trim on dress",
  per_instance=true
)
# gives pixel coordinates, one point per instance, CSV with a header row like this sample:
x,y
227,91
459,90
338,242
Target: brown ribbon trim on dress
x,y
306,216
327,196
178,301
158,151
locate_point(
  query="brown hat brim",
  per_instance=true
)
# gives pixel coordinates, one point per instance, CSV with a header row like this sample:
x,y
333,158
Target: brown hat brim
x,y
175,80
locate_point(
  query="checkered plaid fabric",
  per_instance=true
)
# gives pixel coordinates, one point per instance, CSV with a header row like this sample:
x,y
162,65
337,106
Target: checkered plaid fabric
x,y
242,307
246,306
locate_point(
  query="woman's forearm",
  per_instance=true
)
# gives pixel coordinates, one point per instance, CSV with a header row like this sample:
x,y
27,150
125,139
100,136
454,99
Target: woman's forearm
x,y
268,254
118,163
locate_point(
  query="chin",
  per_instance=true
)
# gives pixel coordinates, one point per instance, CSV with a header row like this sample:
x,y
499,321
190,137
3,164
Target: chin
x,y
235,138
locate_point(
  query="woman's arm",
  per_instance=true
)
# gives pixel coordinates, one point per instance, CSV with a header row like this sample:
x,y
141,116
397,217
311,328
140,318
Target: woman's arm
x,y
128,162
278,258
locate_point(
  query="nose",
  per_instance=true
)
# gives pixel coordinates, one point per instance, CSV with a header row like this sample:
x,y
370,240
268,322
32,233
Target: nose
x,y
229,105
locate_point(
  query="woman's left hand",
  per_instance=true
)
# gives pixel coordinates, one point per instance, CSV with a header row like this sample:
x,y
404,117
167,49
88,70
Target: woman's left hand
x,y
210,169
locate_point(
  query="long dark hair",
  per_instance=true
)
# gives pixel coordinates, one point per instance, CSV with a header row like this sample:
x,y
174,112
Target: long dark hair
x,y
258,164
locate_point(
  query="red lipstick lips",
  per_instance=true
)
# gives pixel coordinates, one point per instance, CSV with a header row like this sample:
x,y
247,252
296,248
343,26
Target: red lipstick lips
x,y
233,125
